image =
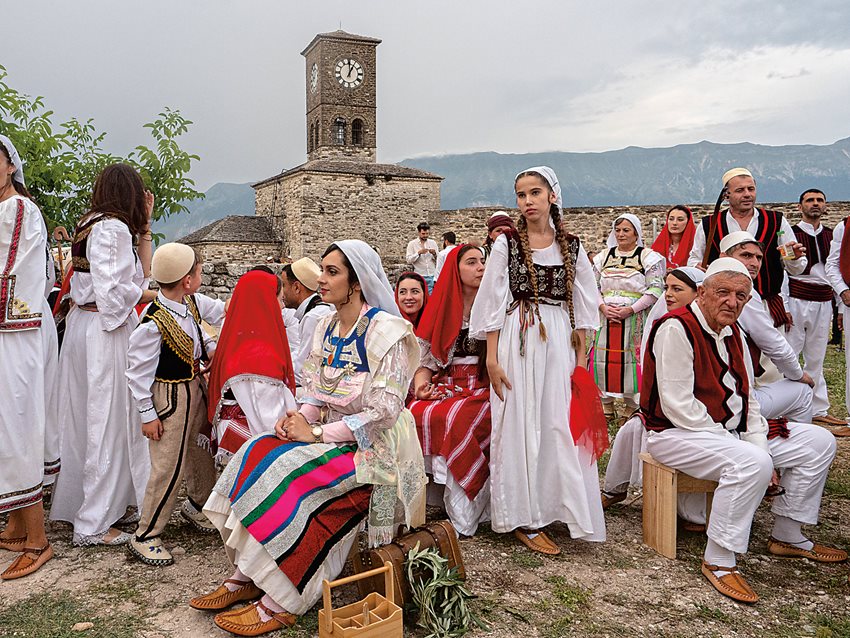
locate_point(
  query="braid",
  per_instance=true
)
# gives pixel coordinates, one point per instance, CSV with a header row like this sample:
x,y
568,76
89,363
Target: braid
x,y
522,231
570,267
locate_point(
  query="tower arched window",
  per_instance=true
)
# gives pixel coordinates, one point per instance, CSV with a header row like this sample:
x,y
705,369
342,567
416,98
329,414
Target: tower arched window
x,y
357,132
339,131
316,134
311,138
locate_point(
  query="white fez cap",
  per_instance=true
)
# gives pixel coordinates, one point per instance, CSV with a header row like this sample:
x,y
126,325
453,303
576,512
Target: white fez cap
x,y
726,264
734,239
307,272
171,262
735,172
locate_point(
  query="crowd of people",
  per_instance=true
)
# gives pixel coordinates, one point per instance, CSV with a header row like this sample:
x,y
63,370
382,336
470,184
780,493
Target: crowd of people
x,y
328,398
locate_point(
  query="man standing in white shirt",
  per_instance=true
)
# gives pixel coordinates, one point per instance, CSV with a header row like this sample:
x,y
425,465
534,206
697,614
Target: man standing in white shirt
x,y
300,283
422,254
838,272
449,242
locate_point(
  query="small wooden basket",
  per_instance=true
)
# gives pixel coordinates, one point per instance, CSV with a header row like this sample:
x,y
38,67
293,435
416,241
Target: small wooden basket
x,y
372,617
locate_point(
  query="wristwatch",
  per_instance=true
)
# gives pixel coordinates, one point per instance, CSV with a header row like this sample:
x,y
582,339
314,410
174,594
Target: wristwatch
x,y
318,431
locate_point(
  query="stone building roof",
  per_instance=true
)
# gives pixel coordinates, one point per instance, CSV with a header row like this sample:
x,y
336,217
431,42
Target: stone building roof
x,y
248,229
339,34
367,169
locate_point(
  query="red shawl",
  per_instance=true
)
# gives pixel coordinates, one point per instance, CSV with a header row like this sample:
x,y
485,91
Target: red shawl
x,y
253,339
414,319
443,317
661,244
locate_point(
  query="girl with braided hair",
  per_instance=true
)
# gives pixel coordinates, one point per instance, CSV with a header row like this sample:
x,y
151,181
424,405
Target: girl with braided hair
x,y
537,299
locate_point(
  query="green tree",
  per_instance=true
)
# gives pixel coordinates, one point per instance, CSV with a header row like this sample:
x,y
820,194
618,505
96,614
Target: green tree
x,y
61,162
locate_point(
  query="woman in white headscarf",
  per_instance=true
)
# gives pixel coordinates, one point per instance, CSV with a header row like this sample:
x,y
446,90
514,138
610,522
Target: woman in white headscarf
x,y
536,301
29,456
631,279
290,504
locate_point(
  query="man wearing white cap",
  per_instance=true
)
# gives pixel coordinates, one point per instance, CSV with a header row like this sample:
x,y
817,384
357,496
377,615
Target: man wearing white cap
x,y
300,283
710,427
811,298
781,387
164,373
838,272
770,228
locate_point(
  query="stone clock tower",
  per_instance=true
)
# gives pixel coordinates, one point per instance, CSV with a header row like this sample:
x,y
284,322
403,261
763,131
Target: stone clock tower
x,y
341,107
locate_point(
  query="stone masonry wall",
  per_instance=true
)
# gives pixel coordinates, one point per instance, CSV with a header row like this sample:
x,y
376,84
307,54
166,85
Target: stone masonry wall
x,y
237,252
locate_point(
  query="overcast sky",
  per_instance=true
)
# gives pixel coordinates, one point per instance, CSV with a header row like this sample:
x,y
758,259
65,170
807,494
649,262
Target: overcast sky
x,y
453,76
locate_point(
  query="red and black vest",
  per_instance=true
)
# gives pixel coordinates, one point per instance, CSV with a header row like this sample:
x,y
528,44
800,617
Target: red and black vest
x,y
551,280
769,280
817,247
177,352
80,241
710,370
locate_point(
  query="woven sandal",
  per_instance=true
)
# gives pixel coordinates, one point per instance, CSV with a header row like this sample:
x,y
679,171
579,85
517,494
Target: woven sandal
x,y
30,561
732,584
541,543
13,544
222,598
247,622
818,553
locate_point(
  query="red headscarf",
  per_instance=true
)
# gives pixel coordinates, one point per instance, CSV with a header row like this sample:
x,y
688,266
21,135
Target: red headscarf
x,y
253,339
661,244
414,319
443,318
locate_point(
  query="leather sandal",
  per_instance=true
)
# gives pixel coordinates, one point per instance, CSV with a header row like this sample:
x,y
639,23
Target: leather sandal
x,y
612,498
247,622
818,553
13,544
28,562
826,419
222,598
540,543
732,584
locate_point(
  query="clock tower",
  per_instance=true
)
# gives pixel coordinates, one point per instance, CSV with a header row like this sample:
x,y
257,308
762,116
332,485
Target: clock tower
x,y
341,107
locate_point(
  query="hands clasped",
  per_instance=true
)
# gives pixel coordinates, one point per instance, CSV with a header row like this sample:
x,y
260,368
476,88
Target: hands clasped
x,y
293,427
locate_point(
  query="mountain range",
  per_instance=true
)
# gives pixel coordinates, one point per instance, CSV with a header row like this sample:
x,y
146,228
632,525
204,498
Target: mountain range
x,y
688,173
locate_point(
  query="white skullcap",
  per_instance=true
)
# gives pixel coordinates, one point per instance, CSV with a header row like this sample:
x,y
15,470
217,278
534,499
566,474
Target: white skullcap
x,y
307,272
726,264
735,172
734,239
171,262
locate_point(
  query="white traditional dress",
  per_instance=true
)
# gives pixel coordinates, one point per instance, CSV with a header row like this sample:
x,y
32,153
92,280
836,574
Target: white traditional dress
x,y
29,455
537,473
106,457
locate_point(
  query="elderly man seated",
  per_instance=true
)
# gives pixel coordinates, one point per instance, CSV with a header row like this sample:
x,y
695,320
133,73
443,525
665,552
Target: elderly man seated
x,y
710,427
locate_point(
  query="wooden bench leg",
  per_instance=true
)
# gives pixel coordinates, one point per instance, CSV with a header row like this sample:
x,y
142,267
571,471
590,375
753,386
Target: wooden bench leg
x,y
659,509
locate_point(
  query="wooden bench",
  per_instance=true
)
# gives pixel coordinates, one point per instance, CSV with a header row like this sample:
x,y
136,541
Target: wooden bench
x,y
661,487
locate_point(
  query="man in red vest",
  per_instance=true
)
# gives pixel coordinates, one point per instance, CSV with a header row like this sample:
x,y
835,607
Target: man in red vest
x,y
838,272
710,427
769,228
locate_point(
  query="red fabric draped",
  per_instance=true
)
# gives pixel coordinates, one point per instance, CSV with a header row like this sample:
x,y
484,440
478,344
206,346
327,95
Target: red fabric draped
x,y
64,289
253,339
414,319
661,244
443,317
844,255
588,424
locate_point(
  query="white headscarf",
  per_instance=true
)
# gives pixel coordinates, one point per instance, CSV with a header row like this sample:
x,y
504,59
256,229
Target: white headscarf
x,y
634,221
659,309
18,175
370,273
551,179
696,275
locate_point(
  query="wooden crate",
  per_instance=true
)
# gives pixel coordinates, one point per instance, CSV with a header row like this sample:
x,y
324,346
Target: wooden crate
x,y
372,617
661,488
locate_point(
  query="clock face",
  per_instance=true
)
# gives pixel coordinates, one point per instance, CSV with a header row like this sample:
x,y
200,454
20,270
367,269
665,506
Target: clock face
x,y
349,73
314,77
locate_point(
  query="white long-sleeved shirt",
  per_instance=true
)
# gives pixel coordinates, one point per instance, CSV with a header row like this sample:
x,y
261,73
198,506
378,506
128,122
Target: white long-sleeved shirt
x,y
426,263
441,259
307,322
675,375
758,324
146,344
833,262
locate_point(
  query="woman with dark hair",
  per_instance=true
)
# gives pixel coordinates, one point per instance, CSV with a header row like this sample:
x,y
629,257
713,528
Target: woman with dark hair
x,y
537,299
676,238
411,296
452,406
105,456
28,349
289,505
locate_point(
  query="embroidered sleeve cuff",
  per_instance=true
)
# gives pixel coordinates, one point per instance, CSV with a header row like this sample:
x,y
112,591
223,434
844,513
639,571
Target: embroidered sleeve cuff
x,y
147,412
358,429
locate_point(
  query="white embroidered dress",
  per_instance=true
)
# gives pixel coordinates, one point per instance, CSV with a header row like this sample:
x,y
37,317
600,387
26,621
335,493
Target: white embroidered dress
x,y
537,474
106,461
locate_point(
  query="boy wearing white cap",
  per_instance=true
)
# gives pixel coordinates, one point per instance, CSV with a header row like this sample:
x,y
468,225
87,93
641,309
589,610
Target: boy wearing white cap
x,y
710,427
166,351
768,227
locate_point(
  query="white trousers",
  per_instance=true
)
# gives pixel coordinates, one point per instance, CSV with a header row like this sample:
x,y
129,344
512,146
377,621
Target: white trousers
x,y
789,399
624,466
846,311
444,490
809,335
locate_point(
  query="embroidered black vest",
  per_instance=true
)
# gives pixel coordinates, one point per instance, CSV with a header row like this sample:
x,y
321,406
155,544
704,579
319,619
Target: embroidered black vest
x,y
552,281
464,346
769,280
177,352
817,247
633,261
81,238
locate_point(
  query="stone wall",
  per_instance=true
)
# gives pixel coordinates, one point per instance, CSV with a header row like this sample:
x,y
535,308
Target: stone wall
x,y
218,279
241,253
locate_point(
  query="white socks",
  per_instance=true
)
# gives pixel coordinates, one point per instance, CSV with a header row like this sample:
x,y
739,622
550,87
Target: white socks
x,y
719,557
272,605
242,578
790,531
